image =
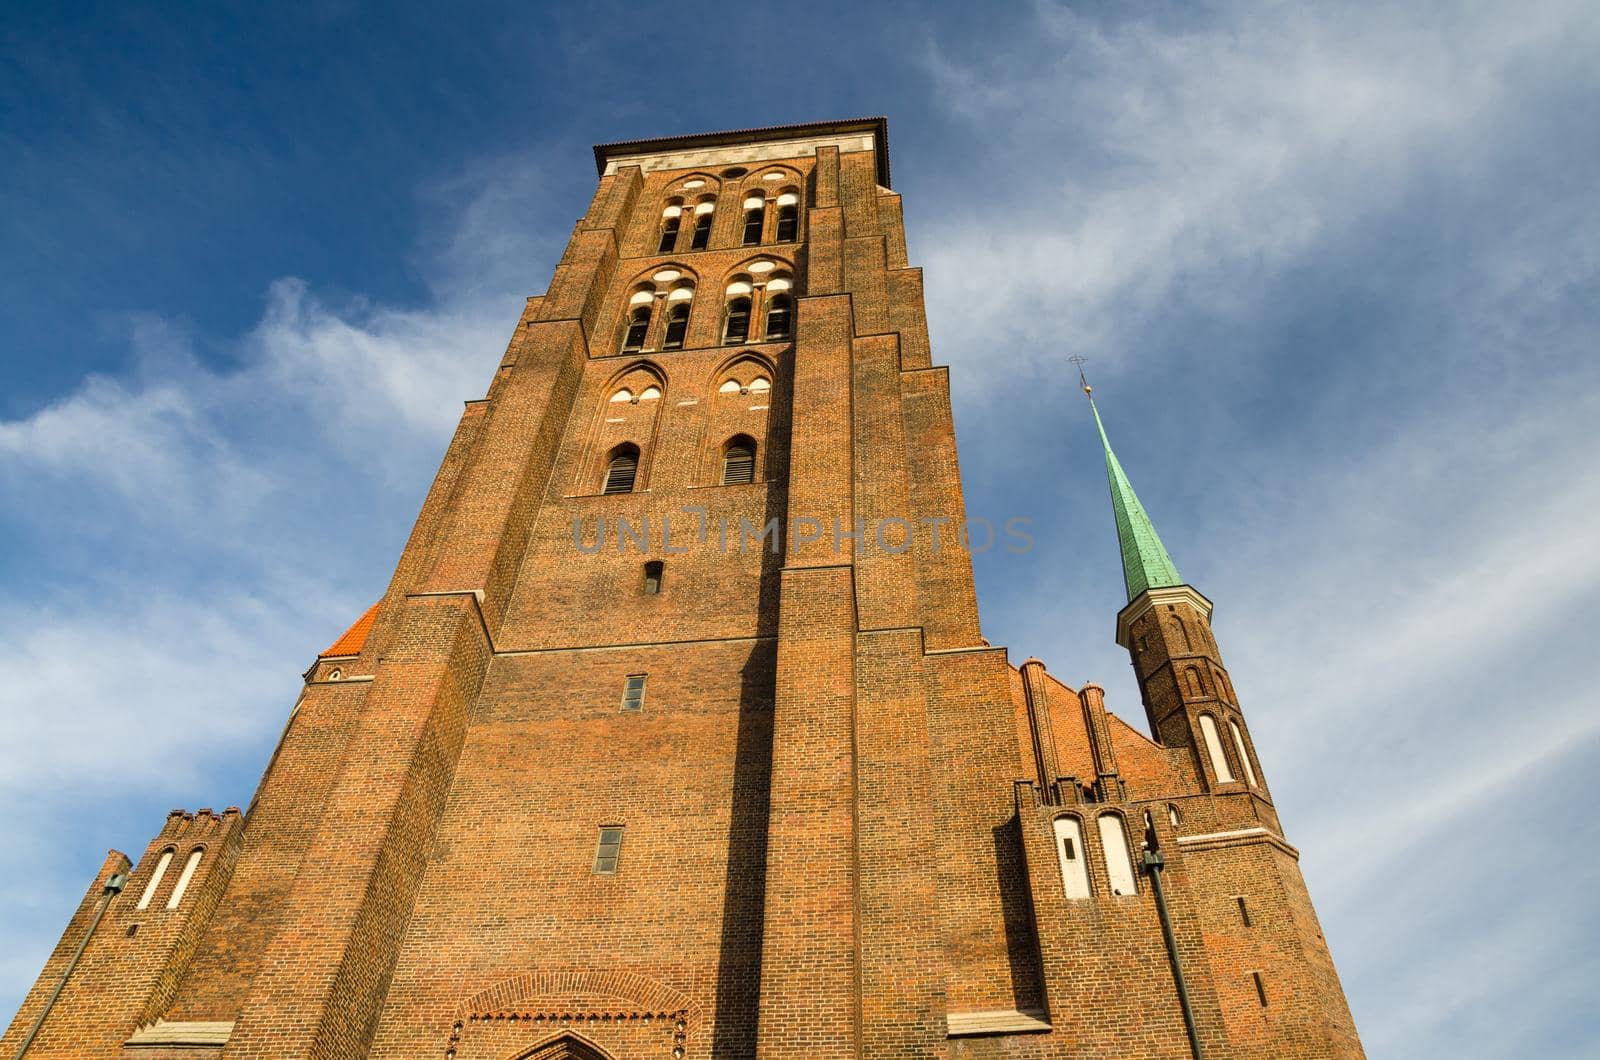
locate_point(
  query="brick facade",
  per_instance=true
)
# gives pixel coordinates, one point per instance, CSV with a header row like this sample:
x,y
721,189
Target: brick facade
x,y
838,803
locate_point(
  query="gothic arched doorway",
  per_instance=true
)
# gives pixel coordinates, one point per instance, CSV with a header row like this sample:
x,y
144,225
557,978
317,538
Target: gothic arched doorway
x,y
565,1047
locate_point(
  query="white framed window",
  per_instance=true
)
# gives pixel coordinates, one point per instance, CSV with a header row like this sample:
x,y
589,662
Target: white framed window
x,y
1074,860
184,877
1119,862
1244,756
1213,741
155,880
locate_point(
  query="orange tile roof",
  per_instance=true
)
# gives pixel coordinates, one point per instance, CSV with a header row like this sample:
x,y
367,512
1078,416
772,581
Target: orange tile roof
x,y
354,637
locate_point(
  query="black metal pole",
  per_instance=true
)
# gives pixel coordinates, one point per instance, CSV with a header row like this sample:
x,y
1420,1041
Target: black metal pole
x,y
114,887
1154,863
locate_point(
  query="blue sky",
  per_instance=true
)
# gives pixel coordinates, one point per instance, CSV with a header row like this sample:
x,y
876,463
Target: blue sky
x,y
1334,268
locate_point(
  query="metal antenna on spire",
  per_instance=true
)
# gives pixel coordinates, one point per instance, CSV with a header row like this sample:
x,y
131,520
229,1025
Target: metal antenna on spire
x,y
1080,362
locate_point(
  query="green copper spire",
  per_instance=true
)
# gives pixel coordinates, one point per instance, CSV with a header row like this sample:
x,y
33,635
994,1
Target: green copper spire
x,y
1145,563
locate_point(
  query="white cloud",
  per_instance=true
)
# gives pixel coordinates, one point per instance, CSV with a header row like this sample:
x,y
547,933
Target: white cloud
x,y
183,512
1158,163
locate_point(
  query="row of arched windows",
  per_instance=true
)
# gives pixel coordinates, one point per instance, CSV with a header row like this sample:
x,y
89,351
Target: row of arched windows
x,y
769,217
184,877
763,293
738,465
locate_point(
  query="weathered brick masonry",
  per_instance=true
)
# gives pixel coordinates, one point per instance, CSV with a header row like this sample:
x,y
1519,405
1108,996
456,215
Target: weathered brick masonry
x,y
848,825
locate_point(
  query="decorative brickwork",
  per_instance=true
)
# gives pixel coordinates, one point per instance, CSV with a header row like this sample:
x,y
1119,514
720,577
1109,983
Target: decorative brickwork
x,y
842,812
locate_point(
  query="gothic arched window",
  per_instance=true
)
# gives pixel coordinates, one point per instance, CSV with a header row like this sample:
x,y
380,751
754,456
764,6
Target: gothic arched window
x,y
737,327
1074,861
638,328
755,216
671,221
185,876
621,470
677,325
788,217
780,317
702,224
155,878
1119,862
1244,756
1213,742
739,461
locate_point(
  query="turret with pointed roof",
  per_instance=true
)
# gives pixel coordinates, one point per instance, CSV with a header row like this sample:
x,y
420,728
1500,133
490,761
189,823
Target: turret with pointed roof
x,y
1145,563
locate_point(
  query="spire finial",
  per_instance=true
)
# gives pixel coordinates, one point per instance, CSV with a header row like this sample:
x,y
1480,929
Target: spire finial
x,y
1088,391
1145,563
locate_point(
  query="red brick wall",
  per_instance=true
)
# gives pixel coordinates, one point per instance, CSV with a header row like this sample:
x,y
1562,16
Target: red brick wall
x,y
825,850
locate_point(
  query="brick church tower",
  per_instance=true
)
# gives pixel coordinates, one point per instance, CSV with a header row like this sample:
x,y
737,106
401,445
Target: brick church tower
x,y
674,734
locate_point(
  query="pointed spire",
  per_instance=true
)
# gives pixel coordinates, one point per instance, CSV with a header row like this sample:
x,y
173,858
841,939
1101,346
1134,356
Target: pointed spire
x,y
1145,563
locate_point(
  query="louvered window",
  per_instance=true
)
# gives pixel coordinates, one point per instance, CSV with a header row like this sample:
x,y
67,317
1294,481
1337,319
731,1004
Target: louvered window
x,y
609,850
669,234
633,693
780,318
638,329
620,472
739,463
702,232
738,326
754,217
677,326
788,223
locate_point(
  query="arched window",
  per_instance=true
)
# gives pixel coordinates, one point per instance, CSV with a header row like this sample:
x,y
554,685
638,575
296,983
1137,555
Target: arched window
x,y
621,470
1213,741
1074,864
788,217
737,328
780,317
1244,756
184,877
755,216
677,326
638,329
1119,862
671,221
739,461
155,879
702,224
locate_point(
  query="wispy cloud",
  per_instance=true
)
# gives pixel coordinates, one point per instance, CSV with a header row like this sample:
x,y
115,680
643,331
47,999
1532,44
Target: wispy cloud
x,y
216,499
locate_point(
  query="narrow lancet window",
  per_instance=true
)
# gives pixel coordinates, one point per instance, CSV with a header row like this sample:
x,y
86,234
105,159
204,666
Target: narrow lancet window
x,y
737,329
755,216
1119,862
788,217
184,877
669,230
652,577
780,317
155,880
1219,760
677,327
1244,756
638,329
1074,866
702,226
